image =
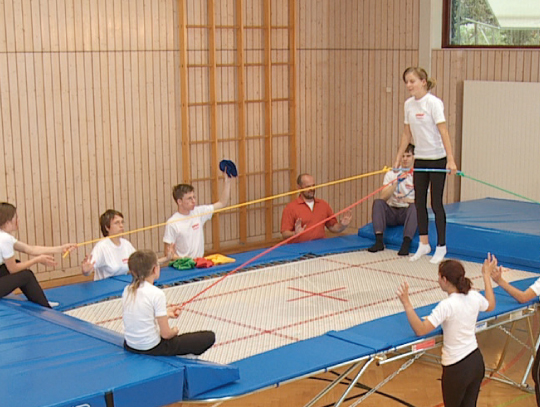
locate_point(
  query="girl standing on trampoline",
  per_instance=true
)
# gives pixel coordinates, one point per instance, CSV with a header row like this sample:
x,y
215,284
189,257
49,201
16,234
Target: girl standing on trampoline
x,y
146,317
425,127
463,364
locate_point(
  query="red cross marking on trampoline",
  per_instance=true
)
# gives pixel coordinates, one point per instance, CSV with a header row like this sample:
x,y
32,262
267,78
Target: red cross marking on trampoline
x,y
321,294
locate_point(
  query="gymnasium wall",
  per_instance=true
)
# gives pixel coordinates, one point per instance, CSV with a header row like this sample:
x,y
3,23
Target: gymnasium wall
x,y
109,103
89,117
350,98
500,139
451,67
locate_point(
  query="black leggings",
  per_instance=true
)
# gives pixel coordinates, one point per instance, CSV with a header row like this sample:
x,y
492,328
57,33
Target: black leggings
x,y
435,180
194,343
535,373
461,381
26,281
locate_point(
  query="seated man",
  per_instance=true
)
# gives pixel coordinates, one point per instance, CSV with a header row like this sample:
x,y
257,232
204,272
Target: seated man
x,y
306,210
396,205
188,235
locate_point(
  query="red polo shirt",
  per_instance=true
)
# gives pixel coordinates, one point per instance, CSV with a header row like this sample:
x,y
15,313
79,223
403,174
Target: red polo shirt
x,y
299,209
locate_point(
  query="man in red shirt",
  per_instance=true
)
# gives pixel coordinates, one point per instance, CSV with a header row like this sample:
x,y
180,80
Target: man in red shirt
x,y
306,210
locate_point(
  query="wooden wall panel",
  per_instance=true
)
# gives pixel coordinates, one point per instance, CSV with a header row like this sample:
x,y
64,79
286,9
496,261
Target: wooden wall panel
x,y
350,58
96,112
451,67
89,117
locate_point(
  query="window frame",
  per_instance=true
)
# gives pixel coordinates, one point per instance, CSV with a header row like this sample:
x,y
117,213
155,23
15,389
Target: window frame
x,y
446,24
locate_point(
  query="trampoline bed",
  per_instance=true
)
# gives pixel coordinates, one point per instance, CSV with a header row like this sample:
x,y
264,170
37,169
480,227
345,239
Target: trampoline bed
x,y
313,307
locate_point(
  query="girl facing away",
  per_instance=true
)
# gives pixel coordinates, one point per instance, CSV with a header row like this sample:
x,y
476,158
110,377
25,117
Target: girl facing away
x,y
15,274
146,317
463,364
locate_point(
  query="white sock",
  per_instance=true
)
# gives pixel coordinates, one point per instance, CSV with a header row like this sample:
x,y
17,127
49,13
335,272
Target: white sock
x,y
54,304
440,252
423,249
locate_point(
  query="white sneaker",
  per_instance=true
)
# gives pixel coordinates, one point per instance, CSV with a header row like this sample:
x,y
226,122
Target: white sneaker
x,y
423,249
189,356
440,252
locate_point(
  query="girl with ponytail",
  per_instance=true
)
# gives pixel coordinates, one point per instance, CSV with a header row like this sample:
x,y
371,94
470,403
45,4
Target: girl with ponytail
x,y
463,364
425,127
146,316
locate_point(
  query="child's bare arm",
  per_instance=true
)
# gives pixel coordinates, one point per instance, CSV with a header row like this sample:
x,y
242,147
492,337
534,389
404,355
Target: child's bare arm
x,y
165,330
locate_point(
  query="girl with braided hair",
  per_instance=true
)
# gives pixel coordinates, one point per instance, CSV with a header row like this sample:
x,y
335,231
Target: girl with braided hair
x,y
463,364
146,317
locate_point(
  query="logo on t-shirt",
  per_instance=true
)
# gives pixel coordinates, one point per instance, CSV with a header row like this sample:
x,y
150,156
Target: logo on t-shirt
x,y
125,260
196,226
420,115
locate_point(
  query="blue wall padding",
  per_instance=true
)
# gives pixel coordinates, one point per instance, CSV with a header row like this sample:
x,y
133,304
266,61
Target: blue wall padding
x,y
508,229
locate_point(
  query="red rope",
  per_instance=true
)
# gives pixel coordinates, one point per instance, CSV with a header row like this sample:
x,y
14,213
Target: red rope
x,y
283,242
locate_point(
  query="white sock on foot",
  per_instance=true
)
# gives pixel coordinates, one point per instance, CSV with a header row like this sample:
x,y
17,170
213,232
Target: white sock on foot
x,y
440,252
54,304
423,249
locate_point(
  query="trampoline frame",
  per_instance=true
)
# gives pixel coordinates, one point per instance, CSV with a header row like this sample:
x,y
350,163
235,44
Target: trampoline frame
x,y
411,351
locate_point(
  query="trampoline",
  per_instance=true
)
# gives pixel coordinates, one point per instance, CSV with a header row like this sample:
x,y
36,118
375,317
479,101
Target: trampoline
x,y
314,306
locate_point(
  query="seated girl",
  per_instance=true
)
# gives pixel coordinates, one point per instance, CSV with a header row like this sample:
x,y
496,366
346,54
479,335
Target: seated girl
x,y
14,273
146,317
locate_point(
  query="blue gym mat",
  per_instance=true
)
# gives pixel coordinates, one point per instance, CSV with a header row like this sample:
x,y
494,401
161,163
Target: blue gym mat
x,y
52,359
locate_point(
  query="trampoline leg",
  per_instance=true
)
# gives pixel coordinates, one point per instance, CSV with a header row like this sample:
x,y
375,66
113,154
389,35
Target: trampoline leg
x,y
531,360
502,356
338,380
353,382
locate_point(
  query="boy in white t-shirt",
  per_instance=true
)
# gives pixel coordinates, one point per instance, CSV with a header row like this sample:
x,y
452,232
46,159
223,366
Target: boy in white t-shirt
x,y
145,314
185,228
396,205
109,256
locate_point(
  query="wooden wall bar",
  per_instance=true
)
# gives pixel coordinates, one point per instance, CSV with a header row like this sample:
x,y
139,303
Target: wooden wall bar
x,y
109,103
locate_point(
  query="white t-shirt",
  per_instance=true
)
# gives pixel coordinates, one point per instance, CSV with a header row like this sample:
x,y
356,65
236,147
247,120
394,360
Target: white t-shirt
x,y
458,314
188,234
404,188
111,260
536,287
7,242
422,116
141,330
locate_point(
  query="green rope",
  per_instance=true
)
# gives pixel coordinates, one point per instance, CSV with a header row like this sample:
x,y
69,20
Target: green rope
x,y
496,187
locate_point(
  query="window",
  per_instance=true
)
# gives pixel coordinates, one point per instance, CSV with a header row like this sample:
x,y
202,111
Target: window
x,y
492,23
